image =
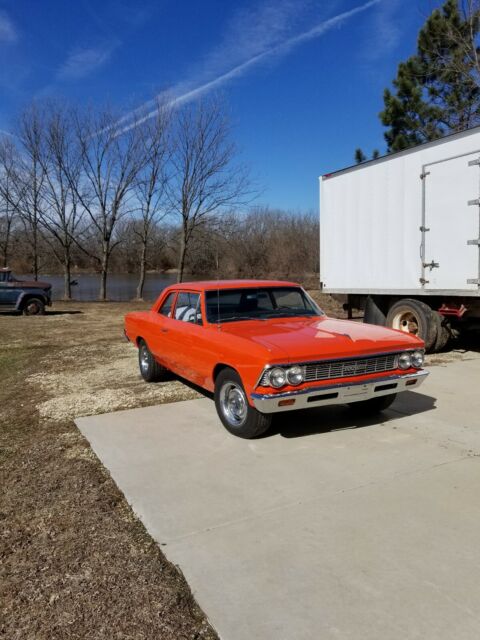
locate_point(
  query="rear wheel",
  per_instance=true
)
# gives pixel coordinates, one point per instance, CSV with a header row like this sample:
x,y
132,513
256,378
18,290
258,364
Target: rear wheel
x,y
373,406
415,317
33,307
150,370
233,409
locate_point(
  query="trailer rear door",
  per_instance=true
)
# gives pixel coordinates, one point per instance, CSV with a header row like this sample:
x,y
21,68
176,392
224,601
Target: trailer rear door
x,y
450,257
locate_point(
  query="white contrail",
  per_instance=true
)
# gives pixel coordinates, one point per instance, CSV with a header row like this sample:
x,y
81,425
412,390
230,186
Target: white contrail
x,y
240,69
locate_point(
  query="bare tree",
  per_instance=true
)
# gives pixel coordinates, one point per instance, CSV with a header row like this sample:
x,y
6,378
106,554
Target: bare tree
x,y
9,196
205,182
151,184
62,215
30,177
109,163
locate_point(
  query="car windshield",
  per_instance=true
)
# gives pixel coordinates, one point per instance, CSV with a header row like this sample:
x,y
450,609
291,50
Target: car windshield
x,y
230,305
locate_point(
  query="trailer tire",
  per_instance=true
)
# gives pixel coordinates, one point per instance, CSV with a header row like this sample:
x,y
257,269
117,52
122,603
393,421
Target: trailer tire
x,y
443,332
415,317
373,313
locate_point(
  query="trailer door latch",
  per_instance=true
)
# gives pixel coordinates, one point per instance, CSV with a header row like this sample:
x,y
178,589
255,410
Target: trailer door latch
x,y
474,203
423,281
473,281
474,242
431,265
424,229
424,175
472,163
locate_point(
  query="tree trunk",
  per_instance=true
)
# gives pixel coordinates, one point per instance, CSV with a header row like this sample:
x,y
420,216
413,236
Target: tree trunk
x,y
143,265
103,275
35,253
67,278
181,258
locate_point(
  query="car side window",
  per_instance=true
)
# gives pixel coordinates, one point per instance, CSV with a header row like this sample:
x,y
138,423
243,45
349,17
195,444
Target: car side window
x,y
187,308
166,308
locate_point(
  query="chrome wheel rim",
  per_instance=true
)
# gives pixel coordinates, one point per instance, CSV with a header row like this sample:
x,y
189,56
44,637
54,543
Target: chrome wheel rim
x,y
406,321
233,403
33,309
144,359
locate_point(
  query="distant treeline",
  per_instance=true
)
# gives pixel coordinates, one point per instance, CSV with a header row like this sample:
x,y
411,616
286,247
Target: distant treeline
x,y
86,189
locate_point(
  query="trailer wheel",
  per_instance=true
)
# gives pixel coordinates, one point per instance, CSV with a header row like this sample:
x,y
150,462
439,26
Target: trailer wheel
x,y
415,317
443,332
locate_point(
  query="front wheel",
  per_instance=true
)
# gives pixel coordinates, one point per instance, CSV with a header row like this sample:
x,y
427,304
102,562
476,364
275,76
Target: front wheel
x,y
233,409
373,406
34,307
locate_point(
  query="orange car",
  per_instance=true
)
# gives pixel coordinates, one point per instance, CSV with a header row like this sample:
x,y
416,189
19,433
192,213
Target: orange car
x,y
265,346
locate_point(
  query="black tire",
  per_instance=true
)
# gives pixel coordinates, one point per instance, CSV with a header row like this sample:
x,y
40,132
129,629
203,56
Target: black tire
x,y
416,317
241,419
373,314
443,332
150,370
33,307
374,405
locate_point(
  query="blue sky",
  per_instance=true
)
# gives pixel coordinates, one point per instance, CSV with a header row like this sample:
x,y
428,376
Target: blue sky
x,y
303,79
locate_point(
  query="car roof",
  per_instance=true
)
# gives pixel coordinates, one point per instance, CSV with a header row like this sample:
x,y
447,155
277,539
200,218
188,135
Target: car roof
x,y
229,284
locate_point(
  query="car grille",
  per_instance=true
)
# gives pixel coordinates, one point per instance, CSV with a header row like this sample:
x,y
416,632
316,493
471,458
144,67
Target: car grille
x,y
348,368
330,369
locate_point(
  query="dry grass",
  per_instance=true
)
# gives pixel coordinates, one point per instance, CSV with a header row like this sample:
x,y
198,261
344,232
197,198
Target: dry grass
x,y
74,560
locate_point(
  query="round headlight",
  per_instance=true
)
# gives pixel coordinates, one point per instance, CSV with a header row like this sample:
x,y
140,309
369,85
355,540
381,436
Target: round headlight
x,y
404,361
278,377
295,375
417,359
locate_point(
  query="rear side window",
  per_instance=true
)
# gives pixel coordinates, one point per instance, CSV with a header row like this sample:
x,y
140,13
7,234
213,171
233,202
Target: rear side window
x,y
166,308
187,308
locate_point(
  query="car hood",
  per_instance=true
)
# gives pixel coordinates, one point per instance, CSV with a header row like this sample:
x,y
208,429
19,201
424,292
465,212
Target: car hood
x,y
31,284
304,339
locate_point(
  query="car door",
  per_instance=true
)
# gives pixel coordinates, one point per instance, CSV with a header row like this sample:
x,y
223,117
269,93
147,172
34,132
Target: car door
x,y
159,340
190,338
9,291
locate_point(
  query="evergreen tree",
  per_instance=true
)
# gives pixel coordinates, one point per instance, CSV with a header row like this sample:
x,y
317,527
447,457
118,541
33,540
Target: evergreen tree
x,y
436,91
359,156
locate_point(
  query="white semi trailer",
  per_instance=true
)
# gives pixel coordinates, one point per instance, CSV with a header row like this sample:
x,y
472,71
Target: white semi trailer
x,y
400,237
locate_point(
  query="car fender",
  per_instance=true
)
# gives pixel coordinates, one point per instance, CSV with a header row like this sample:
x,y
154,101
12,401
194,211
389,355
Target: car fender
x,y
31,293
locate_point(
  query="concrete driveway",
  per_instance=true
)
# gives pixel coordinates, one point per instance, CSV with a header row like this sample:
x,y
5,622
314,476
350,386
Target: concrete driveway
x,y
330,527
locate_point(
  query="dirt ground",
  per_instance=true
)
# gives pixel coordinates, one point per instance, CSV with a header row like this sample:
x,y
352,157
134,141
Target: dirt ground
x,y
74,560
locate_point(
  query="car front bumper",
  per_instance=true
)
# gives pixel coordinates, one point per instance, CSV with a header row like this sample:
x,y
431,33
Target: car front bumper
x,y
339,393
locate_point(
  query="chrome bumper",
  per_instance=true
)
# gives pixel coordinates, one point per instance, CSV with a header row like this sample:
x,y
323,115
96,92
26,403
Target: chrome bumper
x,y
337,393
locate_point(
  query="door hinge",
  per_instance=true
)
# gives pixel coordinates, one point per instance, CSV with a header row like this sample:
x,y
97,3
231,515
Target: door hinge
x,y
473,281
424,175
423,281
474,203
423,229
474,242
431,265
472,163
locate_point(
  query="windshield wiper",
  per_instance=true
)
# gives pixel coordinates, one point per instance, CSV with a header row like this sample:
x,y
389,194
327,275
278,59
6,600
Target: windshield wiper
x,y
235,318
290,314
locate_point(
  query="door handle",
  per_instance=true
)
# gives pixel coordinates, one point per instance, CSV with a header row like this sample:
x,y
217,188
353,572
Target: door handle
x,y
164,330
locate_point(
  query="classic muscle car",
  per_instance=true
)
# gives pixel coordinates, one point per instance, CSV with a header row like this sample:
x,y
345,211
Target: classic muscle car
x,y
265,346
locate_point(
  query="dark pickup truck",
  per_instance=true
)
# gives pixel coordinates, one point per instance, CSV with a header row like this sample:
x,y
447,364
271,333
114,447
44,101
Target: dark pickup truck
x,y
26,296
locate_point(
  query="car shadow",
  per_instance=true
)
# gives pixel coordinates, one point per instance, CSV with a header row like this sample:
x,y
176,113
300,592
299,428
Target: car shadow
x,y
305,422
73,312
308,422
